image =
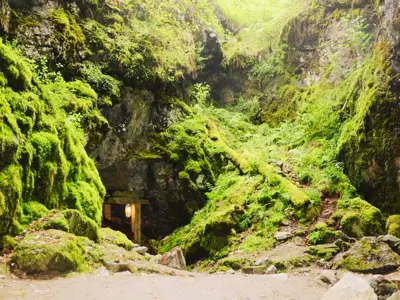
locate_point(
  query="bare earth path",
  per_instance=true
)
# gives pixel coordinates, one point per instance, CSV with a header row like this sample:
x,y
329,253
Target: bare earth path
x,y
143,287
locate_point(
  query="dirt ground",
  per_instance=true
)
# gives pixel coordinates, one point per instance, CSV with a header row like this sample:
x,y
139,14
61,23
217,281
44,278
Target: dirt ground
x,y
194,287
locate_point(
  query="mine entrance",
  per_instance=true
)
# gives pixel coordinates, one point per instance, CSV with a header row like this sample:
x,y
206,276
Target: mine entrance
x,y
123,211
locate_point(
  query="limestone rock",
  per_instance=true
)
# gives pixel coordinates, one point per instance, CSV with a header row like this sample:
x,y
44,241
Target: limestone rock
x,y
174,259
283,236
368,255
351,287
271,270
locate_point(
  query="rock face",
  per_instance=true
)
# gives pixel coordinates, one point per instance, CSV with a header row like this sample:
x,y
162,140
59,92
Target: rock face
x,y
351,287
174,259
368,255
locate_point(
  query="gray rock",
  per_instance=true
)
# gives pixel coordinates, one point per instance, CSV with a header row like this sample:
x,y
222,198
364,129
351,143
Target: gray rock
x,y
342,245
174,259
118,266
383,287
351,287
283,236
261,261
328,276
141,250
271,270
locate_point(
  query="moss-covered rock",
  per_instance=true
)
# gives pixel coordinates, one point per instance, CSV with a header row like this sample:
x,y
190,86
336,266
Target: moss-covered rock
x,y
321,234
49,252
32,211
109,236
326,251
358,218
393,225
71,221
368,255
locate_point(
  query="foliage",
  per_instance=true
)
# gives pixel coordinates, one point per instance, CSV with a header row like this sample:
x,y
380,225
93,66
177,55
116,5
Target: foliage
x,y
42,125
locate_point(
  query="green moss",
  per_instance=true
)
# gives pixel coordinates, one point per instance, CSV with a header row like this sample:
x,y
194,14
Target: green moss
x,y
32,211
51,251
71,221
8,243
110,236
359,218
327,252
393,225
322,234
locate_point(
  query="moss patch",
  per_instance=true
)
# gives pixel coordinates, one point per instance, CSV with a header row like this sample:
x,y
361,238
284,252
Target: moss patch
x,y
107,235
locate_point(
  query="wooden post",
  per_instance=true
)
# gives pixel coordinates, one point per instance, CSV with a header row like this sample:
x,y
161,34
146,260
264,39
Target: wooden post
x,y
136,222
107,211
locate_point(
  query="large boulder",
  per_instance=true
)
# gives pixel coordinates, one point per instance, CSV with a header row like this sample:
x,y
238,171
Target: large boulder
x,y
351,287
174,259
368,255
49,252
358,218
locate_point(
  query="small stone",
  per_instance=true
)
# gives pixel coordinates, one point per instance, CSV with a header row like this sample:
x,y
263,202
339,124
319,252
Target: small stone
x,y
351,287
261,261
230,272
271,270
328,277
283,236
141,250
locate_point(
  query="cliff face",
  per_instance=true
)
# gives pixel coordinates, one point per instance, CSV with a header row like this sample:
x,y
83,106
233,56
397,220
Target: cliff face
x,y
322,73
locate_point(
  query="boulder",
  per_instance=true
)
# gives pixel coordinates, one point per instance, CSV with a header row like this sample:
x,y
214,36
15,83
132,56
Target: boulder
x,y
368,255
49,252
383,287
283,236
351,287
174,259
